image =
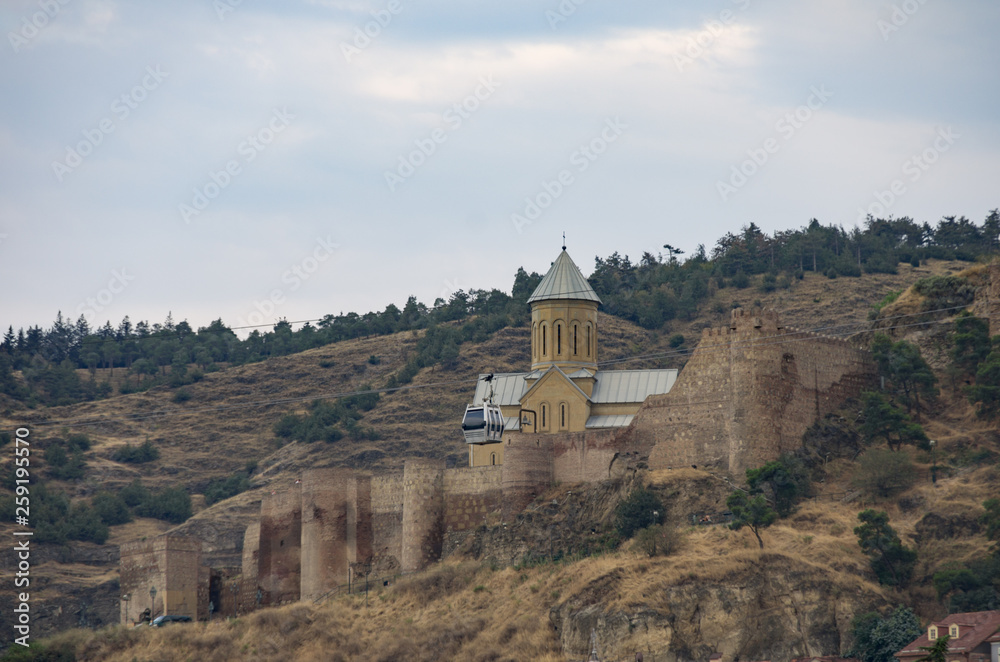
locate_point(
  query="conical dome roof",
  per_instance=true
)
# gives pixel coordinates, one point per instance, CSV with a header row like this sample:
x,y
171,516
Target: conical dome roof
x,y
564,281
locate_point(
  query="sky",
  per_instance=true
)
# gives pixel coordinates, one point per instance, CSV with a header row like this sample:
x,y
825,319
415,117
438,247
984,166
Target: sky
x,y
253,161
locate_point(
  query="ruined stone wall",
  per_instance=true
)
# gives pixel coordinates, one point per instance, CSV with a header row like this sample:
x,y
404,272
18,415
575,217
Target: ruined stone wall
x,y
470,494
336,528
747,394
583,457
139,569
278,574
423,513
387,522
170,565
528,470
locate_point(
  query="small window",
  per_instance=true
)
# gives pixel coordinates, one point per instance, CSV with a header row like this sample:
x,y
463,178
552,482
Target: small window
x,y
588,340
558,339
543,416
493,459
562,416
932,633
545,349
953,632
575,329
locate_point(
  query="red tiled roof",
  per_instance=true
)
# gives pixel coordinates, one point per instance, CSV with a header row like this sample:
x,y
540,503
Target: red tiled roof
x,y
973,628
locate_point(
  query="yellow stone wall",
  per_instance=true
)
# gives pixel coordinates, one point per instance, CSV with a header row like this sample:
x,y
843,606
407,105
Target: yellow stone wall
x,y
560,329
553,393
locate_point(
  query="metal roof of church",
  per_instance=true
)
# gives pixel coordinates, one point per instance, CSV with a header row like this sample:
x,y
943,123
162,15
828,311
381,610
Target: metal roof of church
x,y
611,386
564,281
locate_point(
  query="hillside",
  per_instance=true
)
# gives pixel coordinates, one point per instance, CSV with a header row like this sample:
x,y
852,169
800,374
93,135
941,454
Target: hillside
x,y
229,420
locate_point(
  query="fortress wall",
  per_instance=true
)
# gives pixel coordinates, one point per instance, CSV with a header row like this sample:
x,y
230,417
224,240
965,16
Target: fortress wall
x,y
278,574
469,495
528,470
583,457
325,525
251,562
139,569
423,513
168,563
692,423
182,561
748,394
387,521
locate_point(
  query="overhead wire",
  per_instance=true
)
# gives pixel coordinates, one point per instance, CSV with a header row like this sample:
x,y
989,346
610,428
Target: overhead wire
x,y
796,335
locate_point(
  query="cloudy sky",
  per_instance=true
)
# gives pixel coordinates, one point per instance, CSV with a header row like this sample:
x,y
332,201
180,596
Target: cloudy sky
x,y
255,160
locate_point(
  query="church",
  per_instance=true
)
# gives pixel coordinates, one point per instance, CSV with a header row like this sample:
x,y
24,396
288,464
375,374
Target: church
x,y
565,390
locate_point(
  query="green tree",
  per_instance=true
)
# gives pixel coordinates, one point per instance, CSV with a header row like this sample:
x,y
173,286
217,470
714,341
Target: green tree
x,y
986,391
881,419
970,343
640,509
751,512
938,651
991,518
878,639
783,481
904,369
892,562
111,508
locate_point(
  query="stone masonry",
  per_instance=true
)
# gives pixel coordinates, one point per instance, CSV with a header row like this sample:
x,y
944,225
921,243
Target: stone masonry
x,y
747,394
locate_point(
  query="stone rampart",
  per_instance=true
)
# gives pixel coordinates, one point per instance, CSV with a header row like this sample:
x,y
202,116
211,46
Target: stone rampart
x,y
387,521
423,513
528,470
279,576
748,394
161,574
469,495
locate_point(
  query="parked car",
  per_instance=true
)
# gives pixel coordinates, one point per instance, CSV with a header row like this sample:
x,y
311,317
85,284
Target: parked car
x,y
167,619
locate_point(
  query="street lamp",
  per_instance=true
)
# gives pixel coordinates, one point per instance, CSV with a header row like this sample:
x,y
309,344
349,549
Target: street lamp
x,y
152,601
126,598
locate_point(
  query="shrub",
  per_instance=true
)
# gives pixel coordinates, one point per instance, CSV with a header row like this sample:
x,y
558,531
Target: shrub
x,y
220,489
641,508
181,395
676,340
111,508
657,539
144,452
944,292
883,473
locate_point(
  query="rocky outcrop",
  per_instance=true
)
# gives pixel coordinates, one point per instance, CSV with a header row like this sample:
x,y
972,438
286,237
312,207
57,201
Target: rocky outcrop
x,y
771,609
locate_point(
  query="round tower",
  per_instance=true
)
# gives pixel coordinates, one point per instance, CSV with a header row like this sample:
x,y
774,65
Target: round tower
x,y
423,513
564,319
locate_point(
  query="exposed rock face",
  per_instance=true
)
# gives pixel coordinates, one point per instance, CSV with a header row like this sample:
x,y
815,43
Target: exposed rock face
x,y
773,609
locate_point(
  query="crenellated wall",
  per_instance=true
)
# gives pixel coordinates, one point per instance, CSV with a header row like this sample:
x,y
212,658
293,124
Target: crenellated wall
x,y
748,394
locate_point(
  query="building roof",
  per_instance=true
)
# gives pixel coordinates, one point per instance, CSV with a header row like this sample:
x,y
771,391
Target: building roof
x,y
610,387
609,421
620,386
973,629
564,281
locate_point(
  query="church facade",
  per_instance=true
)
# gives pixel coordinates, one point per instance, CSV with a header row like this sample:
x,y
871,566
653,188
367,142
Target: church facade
x,y
565,390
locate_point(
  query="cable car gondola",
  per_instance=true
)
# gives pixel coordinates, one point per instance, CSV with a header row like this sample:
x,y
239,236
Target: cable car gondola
x,y
483,424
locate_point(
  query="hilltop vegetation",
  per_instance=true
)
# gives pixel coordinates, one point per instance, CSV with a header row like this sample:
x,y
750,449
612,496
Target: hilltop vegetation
x,y
134,464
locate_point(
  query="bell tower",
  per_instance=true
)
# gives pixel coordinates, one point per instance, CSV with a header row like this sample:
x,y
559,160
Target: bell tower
x,y
564,319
